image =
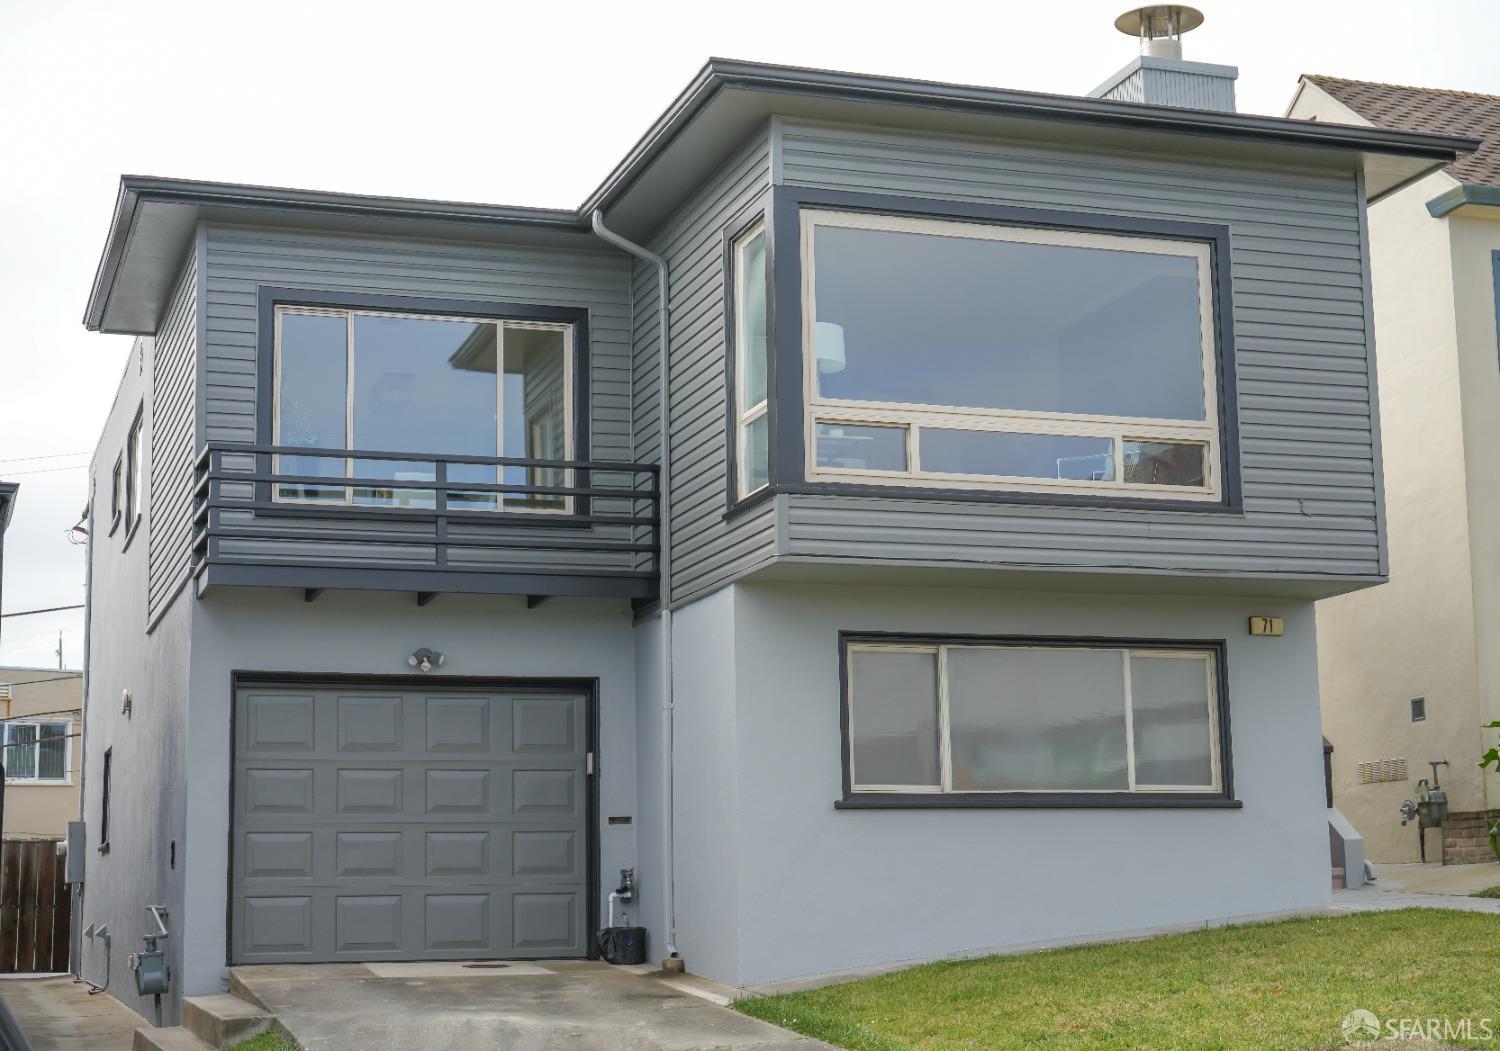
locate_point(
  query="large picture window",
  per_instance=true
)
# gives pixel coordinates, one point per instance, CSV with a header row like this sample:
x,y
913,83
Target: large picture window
x,y
975,718
377,382
967,354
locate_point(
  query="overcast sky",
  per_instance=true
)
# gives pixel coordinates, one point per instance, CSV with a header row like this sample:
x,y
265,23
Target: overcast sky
x,y
497,102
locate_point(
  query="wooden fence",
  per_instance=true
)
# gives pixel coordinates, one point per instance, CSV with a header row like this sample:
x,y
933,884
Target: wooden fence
x,y
35,907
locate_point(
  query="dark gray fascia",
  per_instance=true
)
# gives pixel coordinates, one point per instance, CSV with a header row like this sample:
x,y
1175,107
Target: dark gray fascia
x,y
719,73
137,191
716,76
1468,193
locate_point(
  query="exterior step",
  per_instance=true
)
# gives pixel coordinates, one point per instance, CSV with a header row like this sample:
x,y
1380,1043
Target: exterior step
x,y
222,1019
173,1038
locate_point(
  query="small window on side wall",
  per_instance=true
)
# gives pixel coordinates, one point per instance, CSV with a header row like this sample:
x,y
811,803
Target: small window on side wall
x,y
117,493
109,756
134,473
752,405
1004,720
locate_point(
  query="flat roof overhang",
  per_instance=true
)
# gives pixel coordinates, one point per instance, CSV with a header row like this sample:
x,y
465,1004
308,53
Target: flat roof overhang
x,y
8,492
155,219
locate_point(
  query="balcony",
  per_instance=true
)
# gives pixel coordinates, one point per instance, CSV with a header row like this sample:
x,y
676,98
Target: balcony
x,y
294,517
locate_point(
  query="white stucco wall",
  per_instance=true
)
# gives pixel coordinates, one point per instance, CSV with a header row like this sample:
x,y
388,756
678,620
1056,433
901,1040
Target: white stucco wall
x,y
1423,633
818,890
1415,636
1474,234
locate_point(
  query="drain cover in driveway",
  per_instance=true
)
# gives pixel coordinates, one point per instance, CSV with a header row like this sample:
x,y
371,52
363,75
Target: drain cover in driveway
x,y
486,966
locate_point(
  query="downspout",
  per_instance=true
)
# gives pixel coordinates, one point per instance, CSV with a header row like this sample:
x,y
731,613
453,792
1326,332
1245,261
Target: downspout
x,y
664,560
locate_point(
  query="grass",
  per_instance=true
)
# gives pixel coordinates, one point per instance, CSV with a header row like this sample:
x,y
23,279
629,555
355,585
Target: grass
x,y
267,1041
1492,892
1285,985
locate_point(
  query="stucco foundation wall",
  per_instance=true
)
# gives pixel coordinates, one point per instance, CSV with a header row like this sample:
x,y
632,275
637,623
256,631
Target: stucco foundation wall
x,y
708,837
372,634
821,890
148,800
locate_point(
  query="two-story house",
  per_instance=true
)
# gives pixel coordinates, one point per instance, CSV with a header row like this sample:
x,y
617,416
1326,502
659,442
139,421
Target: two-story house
x,y
849,519
1410,672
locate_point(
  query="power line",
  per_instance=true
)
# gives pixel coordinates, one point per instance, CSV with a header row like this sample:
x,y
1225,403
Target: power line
x,y
38,715
47,470
55,678
49,456
33,612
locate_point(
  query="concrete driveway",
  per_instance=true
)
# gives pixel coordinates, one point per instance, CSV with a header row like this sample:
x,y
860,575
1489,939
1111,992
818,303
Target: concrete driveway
x,y
514,1007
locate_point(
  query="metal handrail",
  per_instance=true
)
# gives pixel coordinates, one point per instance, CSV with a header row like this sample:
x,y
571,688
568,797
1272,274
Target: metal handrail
x,y
249,493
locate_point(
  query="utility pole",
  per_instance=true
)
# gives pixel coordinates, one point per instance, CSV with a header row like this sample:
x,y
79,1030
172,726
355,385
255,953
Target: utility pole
x,y
59,650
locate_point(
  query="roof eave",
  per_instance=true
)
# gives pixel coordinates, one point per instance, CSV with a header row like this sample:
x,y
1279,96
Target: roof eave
x,y
1464,195
720,73
138,191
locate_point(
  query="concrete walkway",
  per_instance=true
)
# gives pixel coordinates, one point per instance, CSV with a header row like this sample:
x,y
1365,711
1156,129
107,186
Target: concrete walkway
x,y
58,1014
519,1007
1424,886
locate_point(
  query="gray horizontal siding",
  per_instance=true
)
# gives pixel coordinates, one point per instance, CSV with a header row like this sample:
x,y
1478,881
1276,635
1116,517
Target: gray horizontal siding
x,y
239,260
174,366
1308,446
707,551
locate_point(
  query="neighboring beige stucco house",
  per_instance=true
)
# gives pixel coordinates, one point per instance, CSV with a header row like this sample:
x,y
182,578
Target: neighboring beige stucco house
x,y
42,708
1431,632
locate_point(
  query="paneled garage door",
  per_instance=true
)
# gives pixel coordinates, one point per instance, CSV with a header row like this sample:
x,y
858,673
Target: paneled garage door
x,y
375,823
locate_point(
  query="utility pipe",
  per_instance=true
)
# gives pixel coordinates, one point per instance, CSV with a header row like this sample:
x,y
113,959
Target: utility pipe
x,y
664,560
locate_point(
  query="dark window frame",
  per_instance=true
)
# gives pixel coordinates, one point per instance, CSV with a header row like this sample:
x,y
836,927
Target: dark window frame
x,y
785,364
105,781
270,297
1223,798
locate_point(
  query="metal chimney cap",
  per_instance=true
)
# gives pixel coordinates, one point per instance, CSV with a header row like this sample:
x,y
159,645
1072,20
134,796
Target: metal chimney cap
x,y
1143,20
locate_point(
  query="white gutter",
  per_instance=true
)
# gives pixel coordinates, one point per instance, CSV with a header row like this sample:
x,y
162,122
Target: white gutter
x,y
664,560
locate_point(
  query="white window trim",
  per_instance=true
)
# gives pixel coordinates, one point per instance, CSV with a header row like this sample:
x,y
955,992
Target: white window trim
x,y
67,778
913,417
745,415
502,324
940,651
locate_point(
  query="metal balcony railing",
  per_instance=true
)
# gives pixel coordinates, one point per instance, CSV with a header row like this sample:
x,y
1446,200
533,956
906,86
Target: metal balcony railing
x,y
293,516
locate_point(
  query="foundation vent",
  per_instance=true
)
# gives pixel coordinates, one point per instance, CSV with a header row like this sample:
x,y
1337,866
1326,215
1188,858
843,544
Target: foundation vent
x,y
1381,770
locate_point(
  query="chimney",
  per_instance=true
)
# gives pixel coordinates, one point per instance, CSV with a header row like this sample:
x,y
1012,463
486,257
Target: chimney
x,y
1159,76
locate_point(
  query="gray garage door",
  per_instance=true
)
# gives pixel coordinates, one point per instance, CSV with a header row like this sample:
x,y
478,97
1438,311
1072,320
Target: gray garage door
x,y
389,824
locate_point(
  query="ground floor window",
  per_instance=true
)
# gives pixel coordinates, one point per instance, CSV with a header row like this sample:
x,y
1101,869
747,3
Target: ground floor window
x,y
977,718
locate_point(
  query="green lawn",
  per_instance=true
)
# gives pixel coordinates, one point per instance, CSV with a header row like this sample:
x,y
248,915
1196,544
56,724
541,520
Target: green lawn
x,y
1492,892
1284,985
269,1041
